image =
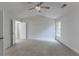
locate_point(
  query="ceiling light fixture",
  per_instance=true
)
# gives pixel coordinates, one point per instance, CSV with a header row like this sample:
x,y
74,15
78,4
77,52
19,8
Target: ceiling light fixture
x,y
38,8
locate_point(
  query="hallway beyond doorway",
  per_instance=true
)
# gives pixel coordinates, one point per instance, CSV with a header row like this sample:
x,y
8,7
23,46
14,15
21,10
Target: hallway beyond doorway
x,y
19,30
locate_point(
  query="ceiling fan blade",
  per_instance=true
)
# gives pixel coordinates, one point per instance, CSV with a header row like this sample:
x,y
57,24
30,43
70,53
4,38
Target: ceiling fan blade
x,y
46,7
39,4
39,11
64,5
31,8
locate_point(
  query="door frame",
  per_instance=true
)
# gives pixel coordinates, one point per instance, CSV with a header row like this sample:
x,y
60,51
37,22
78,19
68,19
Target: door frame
x,y
13,32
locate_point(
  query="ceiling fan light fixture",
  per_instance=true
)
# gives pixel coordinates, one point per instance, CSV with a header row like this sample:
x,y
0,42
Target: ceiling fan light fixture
x,y
38,8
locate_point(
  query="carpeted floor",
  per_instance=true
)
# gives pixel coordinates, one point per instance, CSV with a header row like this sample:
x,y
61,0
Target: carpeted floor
x,y
39,48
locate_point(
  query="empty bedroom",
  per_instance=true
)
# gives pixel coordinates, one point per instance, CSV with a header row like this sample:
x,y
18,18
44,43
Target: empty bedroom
x,y
39,28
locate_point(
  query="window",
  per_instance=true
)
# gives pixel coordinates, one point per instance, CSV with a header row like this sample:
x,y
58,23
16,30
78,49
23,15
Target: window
x,y
58,29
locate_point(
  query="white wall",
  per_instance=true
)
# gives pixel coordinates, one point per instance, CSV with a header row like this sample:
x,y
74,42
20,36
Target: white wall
x,y
1,23
40,28
1,47
6,29
70,27
1,32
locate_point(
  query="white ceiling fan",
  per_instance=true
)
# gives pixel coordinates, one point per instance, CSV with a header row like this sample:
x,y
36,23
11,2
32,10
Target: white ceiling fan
x,y
38,7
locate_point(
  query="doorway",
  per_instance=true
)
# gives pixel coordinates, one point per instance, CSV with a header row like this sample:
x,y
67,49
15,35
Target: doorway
x,y
19,31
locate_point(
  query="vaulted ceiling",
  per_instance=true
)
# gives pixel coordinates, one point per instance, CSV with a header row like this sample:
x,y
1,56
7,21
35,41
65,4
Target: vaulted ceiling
x,y
20,9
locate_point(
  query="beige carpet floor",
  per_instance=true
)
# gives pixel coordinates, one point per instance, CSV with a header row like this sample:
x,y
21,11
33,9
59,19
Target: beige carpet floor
x,y
39,48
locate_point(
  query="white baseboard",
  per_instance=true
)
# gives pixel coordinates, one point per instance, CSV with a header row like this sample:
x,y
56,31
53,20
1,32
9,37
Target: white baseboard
x,y
75,50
